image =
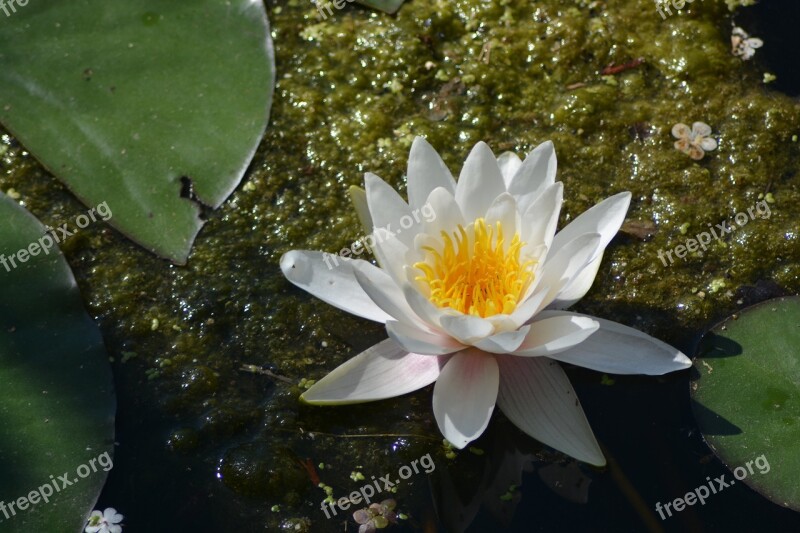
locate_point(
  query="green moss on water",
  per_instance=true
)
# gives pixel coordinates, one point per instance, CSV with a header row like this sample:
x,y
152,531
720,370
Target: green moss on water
x,y
352,93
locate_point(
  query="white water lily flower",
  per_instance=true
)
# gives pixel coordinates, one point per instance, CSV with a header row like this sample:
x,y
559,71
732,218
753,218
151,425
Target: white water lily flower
x,y
472,298
106,522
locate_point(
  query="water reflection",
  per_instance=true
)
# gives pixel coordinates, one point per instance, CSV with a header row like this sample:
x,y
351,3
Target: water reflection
x,y
490,477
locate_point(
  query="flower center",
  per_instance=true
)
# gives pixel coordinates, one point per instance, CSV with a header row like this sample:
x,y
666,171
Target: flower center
x,y
476,273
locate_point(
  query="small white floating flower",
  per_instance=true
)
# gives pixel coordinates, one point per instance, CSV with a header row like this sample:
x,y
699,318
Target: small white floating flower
x,y
695,141
106,522
742,45
472,298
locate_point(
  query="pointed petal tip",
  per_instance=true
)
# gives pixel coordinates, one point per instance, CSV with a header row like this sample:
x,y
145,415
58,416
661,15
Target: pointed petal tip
x,y
419,140
683,361
369,178
289,261
599,461
302,399
459,443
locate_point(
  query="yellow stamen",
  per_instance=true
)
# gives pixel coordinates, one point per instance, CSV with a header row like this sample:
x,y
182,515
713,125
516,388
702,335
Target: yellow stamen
x,y
476,275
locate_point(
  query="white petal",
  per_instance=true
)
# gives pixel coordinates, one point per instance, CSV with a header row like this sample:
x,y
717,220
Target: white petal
x,y
92,529
541,218
503,210
740,32
336,286
426,171
552,332
564,265
464,396
420,304
755,42
419,253
538,398
681,131
480,182
618,349
447,214
359,198
527,309
604,218
577,287
535,175
708,144
390,252
509,163
701,129
385,293
505,342
383,371
387,208
421,341
468,329
503,323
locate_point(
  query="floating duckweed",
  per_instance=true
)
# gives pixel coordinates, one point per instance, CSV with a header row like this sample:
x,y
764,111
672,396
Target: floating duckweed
x,y
449,451
306,383
716,284
610,80
509,494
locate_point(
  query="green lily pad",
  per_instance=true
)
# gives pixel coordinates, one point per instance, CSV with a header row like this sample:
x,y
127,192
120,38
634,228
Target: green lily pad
x,y
56,395
153,107
746,395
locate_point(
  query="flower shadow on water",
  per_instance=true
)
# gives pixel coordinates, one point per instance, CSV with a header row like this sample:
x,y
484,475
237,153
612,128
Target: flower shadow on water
x,y
493,479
